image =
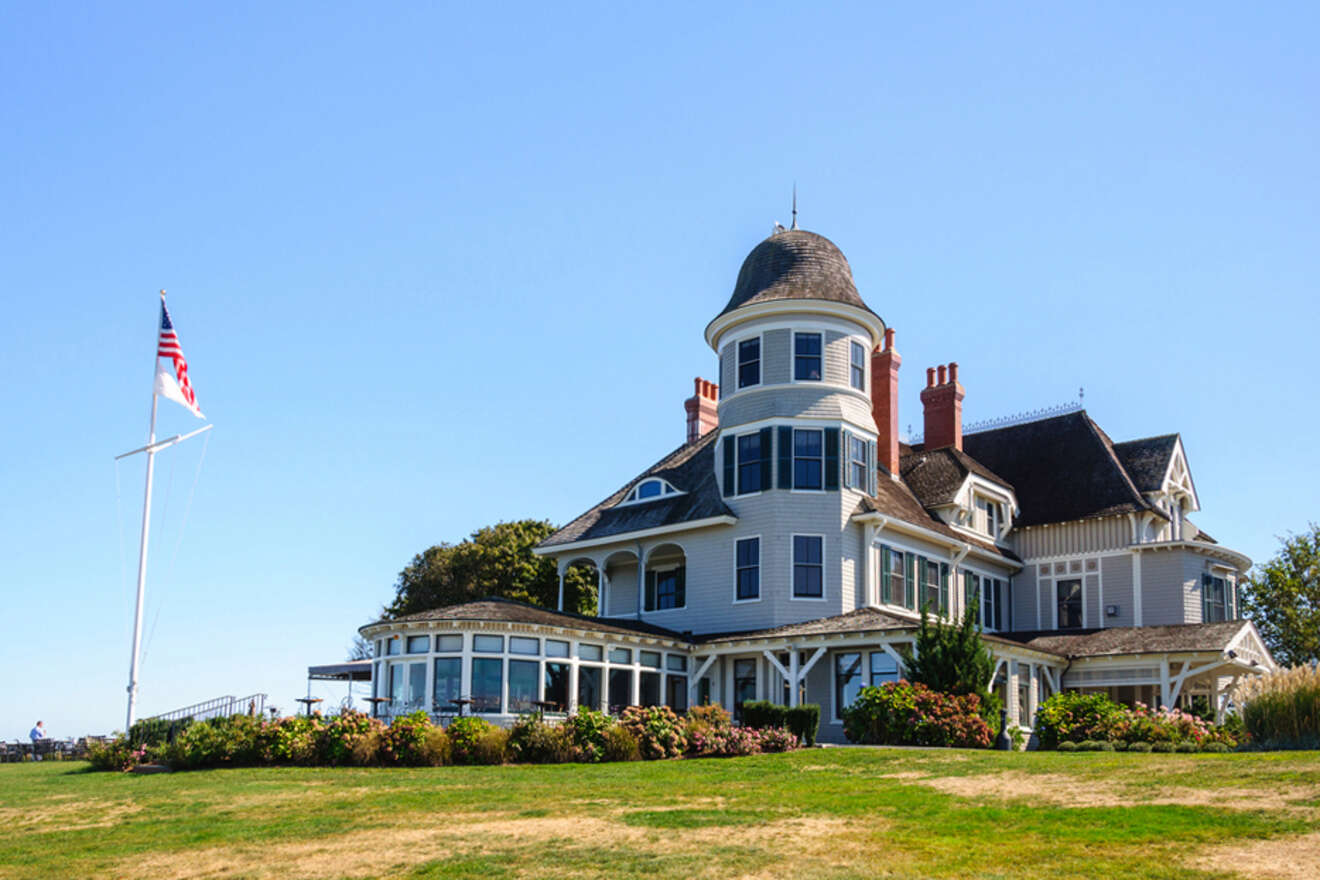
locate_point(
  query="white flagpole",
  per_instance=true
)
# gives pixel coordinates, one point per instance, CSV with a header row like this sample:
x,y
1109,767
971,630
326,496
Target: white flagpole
x,y
142,550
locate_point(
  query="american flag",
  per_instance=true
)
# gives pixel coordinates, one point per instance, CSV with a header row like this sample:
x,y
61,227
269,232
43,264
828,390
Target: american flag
x,y
168,347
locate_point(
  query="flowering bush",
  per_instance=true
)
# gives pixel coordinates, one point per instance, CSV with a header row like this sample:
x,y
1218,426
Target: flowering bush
x,y
532,741
657,729
292,740
342,737
778,739
587,727
412,740
217,742
1077,717
906,713
1282,709
117,754
466,737
621,745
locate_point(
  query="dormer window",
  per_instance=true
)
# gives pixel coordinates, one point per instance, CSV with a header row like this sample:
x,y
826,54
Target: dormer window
x,y
749,362
988,517
807,357
649,490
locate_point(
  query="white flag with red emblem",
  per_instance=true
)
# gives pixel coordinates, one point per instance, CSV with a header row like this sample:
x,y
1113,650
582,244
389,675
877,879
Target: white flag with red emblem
x,y
176,387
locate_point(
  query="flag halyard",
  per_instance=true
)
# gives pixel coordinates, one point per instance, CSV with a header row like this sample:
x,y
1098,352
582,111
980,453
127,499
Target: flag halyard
x,y
176,387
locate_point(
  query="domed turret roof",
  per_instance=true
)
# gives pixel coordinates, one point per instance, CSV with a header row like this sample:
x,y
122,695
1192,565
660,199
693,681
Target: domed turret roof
x,y
795,264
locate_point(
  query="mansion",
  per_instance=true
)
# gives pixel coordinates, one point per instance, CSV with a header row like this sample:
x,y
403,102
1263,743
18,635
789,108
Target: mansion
x,y
786,550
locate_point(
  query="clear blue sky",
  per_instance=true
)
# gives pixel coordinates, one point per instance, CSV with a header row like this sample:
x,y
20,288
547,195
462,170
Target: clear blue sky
x,y
435,267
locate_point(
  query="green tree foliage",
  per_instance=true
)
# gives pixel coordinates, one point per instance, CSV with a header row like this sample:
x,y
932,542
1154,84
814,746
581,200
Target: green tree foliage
x,y
951,658
1282,596
493,561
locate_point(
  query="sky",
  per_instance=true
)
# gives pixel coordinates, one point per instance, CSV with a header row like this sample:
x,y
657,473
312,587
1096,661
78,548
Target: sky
x,y
435,266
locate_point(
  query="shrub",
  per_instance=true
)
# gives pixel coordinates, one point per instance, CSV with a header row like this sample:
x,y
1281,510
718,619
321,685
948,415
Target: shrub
x,y
342,733
702,722
1076,717
951,658
588,727
156,731
621,745
907,713
216,742
1067,746
1088,745
804,721
1186,747
1282,709
292,740
658,731
763,713
778,739
117,754
1162,747
404,742
1216,747
465,735
364,750
492,746
1120,745
532,741
1140,746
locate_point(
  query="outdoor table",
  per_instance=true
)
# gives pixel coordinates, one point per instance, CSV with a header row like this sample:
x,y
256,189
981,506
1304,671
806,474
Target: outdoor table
x,y
308,702
543,706
460,703
375,703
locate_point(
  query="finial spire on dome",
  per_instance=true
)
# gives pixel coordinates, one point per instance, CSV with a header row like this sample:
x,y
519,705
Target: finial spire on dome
x,y
794,226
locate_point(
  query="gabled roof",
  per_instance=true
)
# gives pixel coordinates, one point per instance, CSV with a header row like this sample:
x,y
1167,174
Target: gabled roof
x,y
497,610
690,468
936,476
861,620
1147,460
1133,639
893,498
1062,468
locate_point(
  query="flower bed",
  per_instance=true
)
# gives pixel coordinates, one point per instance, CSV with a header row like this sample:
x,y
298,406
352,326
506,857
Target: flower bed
x,y
907,713
352,738
1069,721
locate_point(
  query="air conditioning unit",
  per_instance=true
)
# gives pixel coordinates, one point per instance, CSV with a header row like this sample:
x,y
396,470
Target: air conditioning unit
x,y
1111,611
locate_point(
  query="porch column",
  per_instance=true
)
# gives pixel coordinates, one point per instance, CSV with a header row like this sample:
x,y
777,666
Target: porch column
x,y
602,594
1033,694
1011,697
561,586
1166,687
572,686
794,675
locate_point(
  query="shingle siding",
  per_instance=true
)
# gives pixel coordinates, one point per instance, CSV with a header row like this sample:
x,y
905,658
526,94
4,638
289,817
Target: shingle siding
x,y
776,357
622,588
1169,592
1082,536
1024,599
1116,573
803,400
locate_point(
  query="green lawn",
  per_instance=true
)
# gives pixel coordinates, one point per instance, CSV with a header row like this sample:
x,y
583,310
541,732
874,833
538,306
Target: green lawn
x,y
836,813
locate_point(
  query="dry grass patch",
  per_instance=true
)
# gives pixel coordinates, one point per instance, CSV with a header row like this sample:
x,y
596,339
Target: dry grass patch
x,y
1286,858
71,815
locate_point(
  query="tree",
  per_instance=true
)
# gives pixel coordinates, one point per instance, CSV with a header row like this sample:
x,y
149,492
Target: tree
x,y
951,658
361,649
493,561
1282,596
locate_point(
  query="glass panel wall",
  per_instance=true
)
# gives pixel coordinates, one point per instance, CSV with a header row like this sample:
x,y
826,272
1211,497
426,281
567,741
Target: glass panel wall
x,y
620,690
677,696
744,684
448,684
847,681
524,678
650,695
556,685
487,684
588,695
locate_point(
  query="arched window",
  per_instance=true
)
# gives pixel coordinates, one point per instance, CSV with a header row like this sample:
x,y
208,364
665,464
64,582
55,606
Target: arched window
x,y
649,490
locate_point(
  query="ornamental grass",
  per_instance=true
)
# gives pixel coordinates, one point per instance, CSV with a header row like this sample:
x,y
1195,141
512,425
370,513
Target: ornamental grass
x,y
1281,710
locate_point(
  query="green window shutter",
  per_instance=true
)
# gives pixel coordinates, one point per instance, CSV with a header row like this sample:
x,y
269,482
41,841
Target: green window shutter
x,y
969,592
650,591
847,462
885,586
767,458
944,588
786,458
870,468
1206,584
730,451
831,458
912,586
680,587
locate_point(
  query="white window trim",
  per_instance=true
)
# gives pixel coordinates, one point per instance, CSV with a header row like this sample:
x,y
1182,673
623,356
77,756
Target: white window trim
x,y
760,363
793,457
863,669
657,569
760,593
792,553
866,365
793,355
737,464
673,492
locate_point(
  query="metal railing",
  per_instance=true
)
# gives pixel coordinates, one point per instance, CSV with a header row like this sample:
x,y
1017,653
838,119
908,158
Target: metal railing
x,y
1022,418
253,704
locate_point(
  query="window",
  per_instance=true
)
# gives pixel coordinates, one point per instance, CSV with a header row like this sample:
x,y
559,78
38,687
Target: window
x,y
648,490
649,659
487,683
857,464
488,644
556,685
931,598
992,603
556,648
590,652
520,645
808,567
1069,594
650,689
749,362
417,685
448,684
448,644
396,686
747,569
857,366
750,458
806,357
808,458
744,684
589,687
676,662
620,690
893,581
392,645
987,517
620,655
1214,599
883,668
523,681
847,681
665,589
418,644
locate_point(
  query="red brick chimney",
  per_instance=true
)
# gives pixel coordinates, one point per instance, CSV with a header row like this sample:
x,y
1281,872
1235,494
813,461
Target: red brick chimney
x,y
702,410
942,401
884,402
